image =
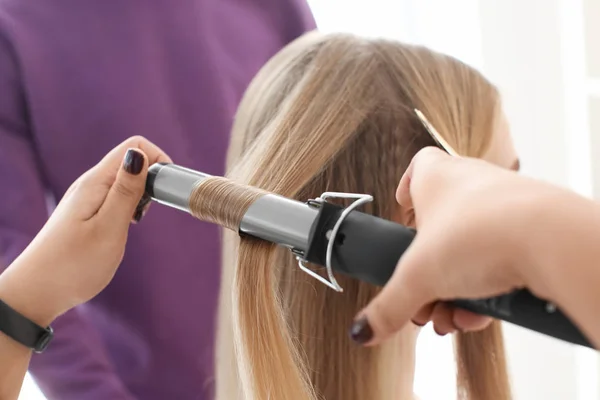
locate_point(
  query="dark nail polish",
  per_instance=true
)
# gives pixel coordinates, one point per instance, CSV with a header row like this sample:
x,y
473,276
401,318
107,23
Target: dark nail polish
x,y
134,162
144,201
140,209
139,213
361,331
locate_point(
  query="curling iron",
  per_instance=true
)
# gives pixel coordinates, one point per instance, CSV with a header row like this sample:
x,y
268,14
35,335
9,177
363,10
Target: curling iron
x,y
352,243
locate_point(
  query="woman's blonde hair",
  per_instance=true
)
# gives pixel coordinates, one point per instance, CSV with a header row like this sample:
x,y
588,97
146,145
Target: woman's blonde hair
x,y
335,113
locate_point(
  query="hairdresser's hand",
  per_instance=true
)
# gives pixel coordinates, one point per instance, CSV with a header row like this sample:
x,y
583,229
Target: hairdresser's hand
x,y
472,220
79,249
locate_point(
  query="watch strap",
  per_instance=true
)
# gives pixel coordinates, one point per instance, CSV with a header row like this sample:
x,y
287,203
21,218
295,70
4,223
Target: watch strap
x,y
23,330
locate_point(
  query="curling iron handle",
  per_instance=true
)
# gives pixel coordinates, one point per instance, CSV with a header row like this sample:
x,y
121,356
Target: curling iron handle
x,y
522,308
369,249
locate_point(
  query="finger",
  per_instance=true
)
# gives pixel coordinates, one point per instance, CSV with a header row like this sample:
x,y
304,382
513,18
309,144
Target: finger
x,y
466,321
109,165
141,209
405,293
127,189
153,153
442,317
404,196
423,316
100,178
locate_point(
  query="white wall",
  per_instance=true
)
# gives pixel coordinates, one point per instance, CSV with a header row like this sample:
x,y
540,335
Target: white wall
x,y
534,50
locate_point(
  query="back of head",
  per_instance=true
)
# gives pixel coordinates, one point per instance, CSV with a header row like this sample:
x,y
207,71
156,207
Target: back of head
x,y
335,113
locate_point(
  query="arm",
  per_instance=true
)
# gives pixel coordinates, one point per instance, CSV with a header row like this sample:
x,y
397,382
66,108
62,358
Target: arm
x,y
13,373
564,257
76,366
485,231
15,356
16,290
65,264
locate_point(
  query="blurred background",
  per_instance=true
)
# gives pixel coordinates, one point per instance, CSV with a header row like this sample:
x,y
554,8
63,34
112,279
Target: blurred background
x,y
541,55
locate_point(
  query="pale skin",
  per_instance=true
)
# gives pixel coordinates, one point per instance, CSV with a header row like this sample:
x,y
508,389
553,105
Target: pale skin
x,y
515,219
514,232
78,251
502,153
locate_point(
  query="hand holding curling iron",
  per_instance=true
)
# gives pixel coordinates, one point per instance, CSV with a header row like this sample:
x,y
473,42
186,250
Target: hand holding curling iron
x,y
484,231
471,243
79,249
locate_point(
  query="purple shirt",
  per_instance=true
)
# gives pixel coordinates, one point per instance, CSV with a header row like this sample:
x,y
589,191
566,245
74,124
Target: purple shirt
x,y
77,77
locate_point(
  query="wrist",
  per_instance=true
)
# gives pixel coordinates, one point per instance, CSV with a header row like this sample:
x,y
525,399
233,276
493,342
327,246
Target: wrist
x,y
22,291
564,256
558,224
534,236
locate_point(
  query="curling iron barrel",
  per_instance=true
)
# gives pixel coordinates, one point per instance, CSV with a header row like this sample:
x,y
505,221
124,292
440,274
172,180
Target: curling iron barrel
x,y
172,185
349,242
272,218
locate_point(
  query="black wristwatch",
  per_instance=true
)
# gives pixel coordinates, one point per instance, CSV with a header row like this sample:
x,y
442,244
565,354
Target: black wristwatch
x,y
22,330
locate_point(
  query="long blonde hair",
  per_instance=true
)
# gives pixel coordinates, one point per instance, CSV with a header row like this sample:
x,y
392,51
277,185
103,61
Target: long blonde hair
x,y
334,113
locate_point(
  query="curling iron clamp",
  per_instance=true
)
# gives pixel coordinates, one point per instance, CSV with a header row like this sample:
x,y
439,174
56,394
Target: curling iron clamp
x,y
352,243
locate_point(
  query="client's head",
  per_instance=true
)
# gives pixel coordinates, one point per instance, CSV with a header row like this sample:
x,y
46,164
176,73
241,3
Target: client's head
x,y
335,113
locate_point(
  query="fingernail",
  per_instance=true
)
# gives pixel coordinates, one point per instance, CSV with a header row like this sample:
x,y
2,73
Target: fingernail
x,y
140,210
417,323
361,331
144,201
137,216
438,332
134,162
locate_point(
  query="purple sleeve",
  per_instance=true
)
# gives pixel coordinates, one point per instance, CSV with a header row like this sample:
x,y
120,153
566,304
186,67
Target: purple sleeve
x,y
75,365
307,18
298,19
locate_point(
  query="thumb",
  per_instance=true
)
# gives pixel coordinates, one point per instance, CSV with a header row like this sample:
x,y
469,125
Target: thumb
x,y
128,187
419,165
406,292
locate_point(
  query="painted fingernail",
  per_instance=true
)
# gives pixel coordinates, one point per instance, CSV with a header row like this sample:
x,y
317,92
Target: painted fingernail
x,y
134,162
438,332
141,208
137,216
361,331
417,323
144,201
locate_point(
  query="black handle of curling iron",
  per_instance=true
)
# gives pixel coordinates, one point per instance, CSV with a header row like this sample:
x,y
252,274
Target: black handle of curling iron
x,y
368,248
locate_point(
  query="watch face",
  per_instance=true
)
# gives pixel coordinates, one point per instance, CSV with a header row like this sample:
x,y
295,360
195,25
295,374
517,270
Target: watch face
x,y
44,340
